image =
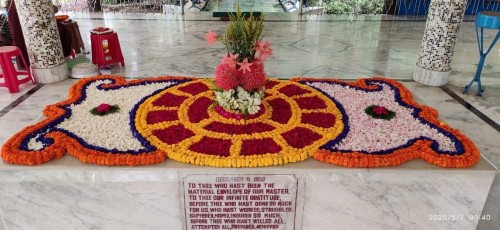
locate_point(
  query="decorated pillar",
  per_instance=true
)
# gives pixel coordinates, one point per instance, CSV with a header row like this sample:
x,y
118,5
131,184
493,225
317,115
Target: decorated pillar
x,y
42,40
441,32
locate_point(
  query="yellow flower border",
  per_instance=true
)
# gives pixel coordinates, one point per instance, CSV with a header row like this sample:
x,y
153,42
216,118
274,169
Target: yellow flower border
x,y
181,152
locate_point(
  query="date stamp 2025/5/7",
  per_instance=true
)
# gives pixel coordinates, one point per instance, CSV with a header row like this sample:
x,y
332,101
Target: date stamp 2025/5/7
x,y
459,217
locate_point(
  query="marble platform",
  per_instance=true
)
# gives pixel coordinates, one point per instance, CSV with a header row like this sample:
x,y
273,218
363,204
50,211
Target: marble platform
x,y
66,194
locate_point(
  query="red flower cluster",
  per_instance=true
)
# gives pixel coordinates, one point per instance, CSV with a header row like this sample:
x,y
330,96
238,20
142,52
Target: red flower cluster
x,y
225,76
103,108
228,76
380,110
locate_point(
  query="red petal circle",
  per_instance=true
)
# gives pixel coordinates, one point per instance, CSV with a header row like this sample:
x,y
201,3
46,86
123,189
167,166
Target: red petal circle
x,y
194,88
300,137
169,100
161,116
293,90
198,111
212,146
270,84
282,111
173,134
259,146
251,128
310,103
323,120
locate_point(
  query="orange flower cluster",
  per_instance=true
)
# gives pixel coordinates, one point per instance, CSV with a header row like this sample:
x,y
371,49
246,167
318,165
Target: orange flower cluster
x,y
420,149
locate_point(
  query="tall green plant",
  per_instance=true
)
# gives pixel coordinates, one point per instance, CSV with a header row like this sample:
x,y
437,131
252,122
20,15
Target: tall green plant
x,y
243,33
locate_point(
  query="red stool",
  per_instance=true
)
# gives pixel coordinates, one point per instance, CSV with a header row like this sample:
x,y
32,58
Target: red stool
x,y
9,72
106,49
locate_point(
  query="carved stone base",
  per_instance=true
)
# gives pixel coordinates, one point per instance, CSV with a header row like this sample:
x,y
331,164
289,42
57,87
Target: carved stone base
x,y
52,74
430,77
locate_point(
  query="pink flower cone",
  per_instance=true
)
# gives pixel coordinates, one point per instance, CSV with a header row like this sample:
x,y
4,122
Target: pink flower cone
x,y
255,79
225,77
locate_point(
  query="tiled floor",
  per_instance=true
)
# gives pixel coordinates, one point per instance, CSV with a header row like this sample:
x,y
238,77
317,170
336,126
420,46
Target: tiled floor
x,y
312,46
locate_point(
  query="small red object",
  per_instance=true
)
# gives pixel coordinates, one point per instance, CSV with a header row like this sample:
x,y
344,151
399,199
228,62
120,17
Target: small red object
x,y
9,73
380,110
106,54
103,108
101,30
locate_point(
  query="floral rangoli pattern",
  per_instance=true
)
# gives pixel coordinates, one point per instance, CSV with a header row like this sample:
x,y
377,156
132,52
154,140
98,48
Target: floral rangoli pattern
x,y
300,118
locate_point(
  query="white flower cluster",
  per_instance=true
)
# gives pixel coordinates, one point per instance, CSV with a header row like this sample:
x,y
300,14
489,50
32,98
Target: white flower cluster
x,y
240,100
373,135
112,131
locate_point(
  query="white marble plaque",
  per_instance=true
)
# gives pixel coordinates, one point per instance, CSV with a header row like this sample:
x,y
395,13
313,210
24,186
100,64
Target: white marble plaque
x,y
240,201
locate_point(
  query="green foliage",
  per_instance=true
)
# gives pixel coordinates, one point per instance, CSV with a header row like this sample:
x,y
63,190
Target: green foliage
x,y
354,6
242,34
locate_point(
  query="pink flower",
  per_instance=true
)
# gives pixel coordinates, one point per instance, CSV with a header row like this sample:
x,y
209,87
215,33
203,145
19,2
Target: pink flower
x,y
245,65
225,76
380,110
263,49
211,37
231,60
254,80
103,108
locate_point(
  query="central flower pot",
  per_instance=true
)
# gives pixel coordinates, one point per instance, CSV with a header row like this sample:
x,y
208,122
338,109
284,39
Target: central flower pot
x,y
240,90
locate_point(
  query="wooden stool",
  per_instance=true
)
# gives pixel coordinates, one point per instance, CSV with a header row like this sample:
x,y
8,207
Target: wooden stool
x,y
76,38
106,49
9,72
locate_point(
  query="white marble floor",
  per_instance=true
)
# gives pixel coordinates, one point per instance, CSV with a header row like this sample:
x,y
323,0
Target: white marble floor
x,y
311,46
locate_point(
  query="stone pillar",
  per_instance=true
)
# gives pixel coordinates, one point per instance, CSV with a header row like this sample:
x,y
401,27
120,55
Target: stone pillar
x,y
42,40
441,32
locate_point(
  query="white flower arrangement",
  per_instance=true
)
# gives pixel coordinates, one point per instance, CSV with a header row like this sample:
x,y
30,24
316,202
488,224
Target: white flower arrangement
x,y
240,101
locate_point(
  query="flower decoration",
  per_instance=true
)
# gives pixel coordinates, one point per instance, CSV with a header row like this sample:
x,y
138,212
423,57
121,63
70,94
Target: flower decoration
x,y
298,119
104,109
379,112
242,65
